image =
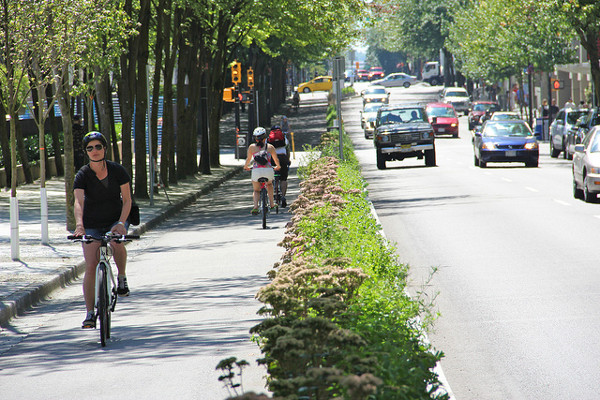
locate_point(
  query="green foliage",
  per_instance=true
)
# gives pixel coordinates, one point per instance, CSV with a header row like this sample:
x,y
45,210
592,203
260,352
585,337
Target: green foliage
x,y
338,320
515,35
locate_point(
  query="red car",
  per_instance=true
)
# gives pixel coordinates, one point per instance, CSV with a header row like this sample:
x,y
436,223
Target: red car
x,y
362,74
375,73
443,118
478,110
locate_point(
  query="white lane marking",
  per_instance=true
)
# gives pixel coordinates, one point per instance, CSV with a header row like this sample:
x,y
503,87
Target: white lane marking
x,y
564,203
507,180
597,216
531,189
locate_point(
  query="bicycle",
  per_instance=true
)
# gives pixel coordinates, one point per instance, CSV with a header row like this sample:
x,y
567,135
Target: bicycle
x,y
277,192
264,201
105,296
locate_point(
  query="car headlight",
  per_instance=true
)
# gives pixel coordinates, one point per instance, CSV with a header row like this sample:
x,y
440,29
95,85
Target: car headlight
x,y
594,170
531,146
454,125
427,135
488,146
383,138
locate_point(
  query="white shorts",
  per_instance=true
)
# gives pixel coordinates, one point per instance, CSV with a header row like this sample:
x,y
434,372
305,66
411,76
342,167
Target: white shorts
x,y
268,173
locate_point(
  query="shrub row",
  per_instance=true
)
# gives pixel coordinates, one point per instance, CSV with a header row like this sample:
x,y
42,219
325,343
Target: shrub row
x,y
338,322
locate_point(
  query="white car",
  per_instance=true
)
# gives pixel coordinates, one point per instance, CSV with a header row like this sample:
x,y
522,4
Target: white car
x,y
396,79
368,116
586,167
458,97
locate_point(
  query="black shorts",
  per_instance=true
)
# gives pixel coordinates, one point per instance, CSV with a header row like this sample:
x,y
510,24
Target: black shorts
x,y
284,162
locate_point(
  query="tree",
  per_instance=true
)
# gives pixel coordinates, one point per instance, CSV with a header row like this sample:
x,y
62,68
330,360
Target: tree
x,y
584,17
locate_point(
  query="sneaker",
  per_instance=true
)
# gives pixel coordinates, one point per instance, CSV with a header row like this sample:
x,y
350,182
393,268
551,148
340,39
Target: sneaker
x,y
90,321
254,211
122,288
283,202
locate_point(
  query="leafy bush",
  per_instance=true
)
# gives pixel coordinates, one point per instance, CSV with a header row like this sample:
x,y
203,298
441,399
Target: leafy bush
x,y
338,320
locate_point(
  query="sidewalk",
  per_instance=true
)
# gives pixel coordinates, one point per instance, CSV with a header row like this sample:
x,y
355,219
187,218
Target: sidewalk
x,y
44,268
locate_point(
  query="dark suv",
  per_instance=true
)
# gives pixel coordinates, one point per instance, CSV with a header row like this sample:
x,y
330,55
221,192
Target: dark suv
x,y
578,131
401,132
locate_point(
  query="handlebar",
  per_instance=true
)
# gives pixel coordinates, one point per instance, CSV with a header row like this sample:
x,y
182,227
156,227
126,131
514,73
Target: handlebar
x,y
107,236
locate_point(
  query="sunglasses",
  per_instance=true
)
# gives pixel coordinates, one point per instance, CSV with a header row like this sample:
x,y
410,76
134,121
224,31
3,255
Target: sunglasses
x,y
97,147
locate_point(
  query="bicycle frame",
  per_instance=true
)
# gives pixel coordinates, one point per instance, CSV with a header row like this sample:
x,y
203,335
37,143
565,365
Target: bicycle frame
x,y
104,259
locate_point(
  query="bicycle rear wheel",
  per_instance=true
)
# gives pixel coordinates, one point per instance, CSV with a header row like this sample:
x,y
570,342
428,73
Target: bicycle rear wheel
x,y
265,208
103,305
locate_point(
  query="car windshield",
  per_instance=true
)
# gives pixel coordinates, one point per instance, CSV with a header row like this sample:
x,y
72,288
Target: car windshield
x,y
573,116
504,117
595,146
456,94
401,115
372,107
484,107
441,112
511,128
375,91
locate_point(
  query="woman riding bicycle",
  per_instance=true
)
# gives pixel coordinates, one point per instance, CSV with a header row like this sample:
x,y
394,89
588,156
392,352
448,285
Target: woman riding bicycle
x,y
261,155
102,204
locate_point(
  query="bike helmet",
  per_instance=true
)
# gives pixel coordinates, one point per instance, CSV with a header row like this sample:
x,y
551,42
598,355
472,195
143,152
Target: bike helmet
x,y
275,127
94,136
259,134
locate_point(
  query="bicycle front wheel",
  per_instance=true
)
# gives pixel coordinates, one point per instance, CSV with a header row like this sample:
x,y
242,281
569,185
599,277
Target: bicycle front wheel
x,y
103,305
265,208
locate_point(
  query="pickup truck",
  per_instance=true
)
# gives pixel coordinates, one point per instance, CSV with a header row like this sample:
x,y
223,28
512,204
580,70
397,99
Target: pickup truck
x,y
401,132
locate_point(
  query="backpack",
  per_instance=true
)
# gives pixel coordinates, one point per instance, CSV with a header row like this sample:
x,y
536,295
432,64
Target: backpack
x,y
277,138
262,157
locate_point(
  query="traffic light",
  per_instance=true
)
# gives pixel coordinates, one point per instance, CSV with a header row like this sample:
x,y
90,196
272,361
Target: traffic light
x,y
236,72
228,95
250,76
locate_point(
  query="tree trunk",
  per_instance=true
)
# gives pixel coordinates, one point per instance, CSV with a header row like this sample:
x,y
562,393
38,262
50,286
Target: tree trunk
x,y
104,104
54,131
5,144
22,149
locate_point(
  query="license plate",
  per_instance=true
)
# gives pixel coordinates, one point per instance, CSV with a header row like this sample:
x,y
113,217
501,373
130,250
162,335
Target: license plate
x,y
442,130
405,146
511,153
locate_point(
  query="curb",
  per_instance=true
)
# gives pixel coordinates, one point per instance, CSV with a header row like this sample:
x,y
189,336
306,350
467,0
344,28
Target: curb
x,y
20,301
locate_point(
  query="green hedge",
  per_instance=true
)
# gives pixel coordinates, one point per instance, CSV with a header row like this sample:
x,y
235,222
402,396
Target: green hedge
x,y
338,322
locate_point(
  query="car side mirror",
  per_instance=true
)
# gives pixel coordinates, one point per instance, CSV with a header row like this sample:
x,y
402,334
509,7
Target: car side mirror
x,y
579,148
477,133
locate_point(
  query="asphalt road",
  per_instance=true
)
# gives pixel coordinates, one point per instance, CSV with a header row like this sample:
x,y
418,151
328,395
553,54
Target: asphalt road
x,y
515,258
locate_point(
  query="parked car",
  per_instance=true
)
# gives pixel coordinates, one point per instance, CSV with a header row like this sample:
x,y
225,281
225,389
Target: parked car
x,y
478,110
316,84
505,141
578,131
367,118
458,97
375,73
349,74
401,132
443,119
565,119
375,94
396,79
586,167
362,74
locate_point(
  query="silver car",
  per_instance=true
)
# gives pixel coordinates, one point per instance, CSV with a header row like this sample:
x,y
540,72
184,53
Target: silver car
x,y
368,116
396,79
565,119
586,167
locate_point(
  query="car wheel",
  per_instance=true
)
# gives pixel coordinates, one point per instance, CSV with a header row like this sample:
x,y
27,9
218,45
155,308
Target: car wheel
x,y
306,90
532,164
476,161
482,164
455,135
406,84
434,82
553,152
380,160
588,196
471,126
565,151
430,158
577,193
